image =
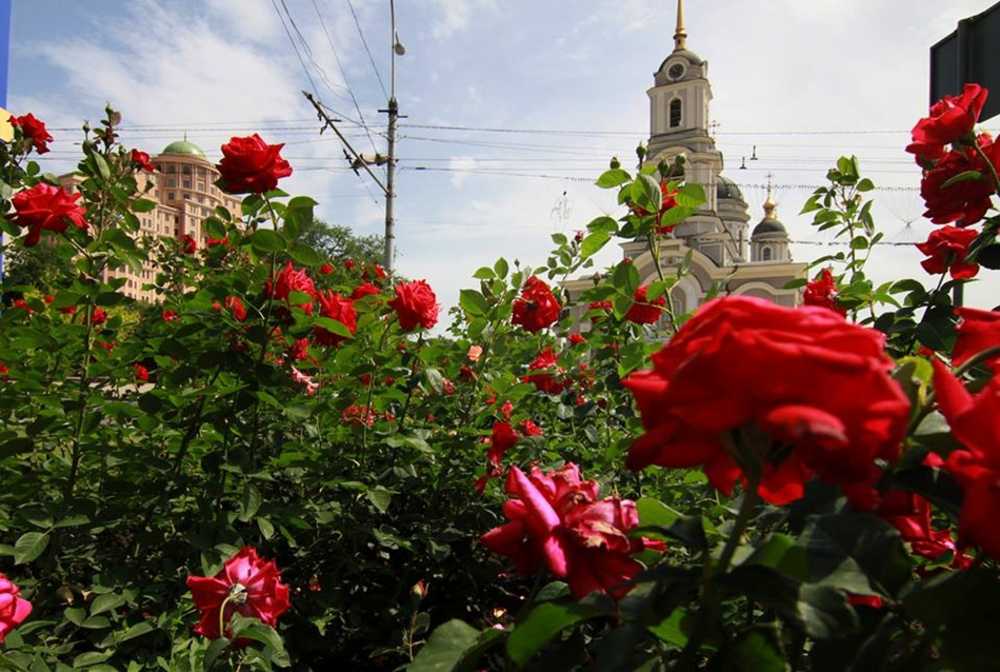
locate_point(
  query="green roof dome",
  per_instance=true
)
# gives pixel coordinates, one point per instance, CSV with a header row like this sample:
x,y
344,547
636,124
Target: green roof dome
x,y
184,147
726,188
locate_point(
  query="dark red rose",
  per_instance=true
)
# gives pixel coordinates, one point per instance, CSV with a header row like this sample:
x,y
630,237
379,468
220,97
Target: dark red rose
x,y
952,119
832,411
236,308
643,311
978,331
33,130
98,317
946,249
141,160
537,308
357,415
964,202
339,308
246,585
502,439
251,166
169,316
556,522
548,366
47,207
141,373
577,338
822,291
415,305
975,423
578,237
291,279
21,304
4,371
49,299
910,513
14,609
529,428
188,244
506,409
326,269
299,349
363,290
349,264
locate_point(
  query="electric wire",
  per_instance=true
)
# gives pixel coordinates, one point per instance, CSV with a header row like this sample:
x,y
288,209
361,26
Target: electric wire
x,y
371,59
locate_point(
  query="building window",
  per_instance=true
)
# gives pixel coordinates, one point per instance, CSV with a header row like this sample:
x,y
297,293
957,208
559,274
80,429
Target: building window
x,y
675,113
172,182
765,254
171,195
187,184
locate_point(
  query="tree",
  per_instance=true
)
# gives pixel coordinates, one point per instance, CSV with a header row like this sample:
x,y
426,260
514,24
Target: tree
x,y
340,242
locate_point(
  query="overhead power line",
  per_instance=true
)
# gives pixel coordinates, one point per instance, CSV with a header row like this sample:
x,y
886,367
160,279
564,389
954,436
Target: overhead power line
x,y
364,42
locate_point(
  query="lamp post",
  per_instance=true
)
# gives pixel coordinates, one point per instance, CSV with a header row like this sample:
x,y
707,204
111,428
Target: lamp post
x,y
390,170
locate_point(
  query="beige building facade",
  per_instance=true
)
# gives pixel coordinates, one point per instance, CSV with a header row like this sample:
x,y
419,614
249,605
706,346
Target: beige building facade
x,y
726,255
185,194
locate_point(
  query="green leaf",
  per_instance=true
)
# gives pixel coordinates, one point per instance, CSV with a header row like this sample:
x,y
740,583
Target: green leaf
x,y
989,257
603,225
102,166
305,255
12,447
501,267
29,546
91,658
266,240
484,273
214,650
543,623
593,244
214,228
334,326
473,303
143,205
757,651
380,497
652,197
250,503
265,526
865,185
613,178
106,602
446,647
137,630
964,176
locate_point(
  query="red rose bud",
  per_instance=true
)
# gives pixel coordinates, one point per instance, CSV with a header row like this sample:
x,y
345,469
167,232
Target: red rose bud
x,y
246,585
577,338
98,317
141,373
947,249
34,131
49,299
236,308
643,311
415,305
4,371
537,307
952,119
578,237
507,409
326,269
299,349
251,166
822,291
557,523
832,413
363,290
21,304
14,609
169,316
419,590
349,264
335,307
529,428
502,439
141,160
188,244
44,207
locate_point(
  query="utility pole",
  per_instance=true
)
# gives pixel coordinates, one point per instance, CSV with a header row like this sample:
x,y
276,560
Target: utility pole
x,y
390,169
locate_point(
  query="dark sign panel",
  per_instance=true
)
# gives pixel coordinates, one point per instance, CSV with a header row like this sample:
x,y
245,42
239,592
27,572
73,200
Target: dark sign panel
x,y
970,54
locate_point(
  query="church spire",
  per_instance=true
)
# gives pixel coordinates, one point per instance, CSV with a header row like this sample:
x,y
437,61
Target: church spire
x,y
769,205
680,34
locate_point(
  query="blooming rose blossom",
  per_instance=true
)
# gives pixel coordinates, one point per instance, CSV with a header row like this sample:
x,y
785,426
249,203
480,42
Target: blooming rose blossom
x,y
290,279
952,119
822,291
529,428
246,585
357,415
545,382
46,207
349,264
947,249
326,269
979,330
910,513
299,349
557,522
106,345
964,202
14,609
251,166
502,439
169,316
33,130
975,423
21,304
447,387
506,409
236,308
537,307
98,317
188,244
415,305
474,353
363,290
141,373
831,413
141,160
643,311
577,338
339,308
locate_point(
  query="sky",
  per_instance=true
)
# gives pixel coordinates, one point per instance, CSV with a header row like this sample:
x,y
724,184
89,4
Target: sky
x,y
796,83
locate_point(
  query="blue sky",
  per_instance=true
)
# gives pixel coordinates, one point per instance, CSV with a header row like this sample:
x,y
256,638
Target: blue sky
x,y
216,68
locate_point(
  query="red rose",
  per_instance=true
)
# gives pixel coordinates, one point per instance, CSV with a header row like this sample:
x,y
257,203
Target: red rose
x,y
910,513
545,382
47,207
643,311
246,585
236,308
952,120
529,428
169,316
356,415
506,409
4,371
141,373
349,264
98,317
577,338
975,423
188,244
326,269
578,237
537,308
979,330
141,160
290,279
600,305
946,249
415,305
833,410
34,130
335,307
447,387
822,291
964,202
556,522
363,290
106,345
21,304
251,166
212,242
299,349
502,439
669,200
13,608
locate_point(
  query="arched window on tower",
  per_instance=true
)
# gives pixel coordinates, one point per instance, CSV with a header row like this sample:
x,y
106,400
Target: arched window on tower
x,y
675,113
765,254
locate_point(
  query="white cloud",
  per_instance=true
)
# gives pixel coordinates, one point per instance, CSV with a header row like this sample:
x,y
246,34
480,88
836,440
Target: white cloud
x,y
456,15
253,19
461,164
